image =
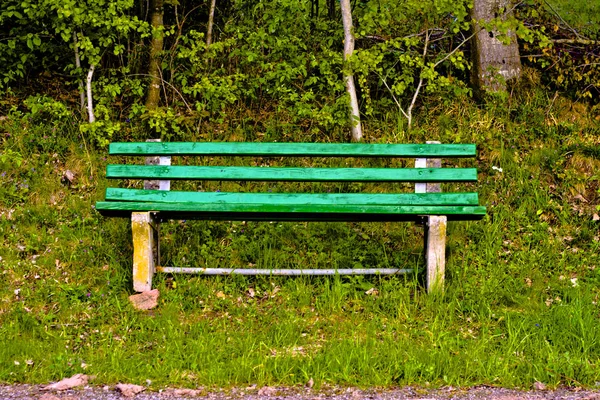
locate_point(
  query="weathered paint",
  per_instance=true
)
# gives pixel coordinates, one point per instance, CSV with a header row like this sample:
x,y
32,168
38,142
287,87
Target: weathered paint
x,y
293,149
423,199
157,184
143,255
436,253
285,272
291,174
427,201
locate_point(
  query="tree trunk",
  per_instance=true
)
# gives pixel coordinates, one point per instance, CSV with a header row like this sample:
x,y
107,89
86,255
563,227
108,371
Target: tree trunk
x,y
78,65
349,78
494,63
90,99
156,47
331,9
211,21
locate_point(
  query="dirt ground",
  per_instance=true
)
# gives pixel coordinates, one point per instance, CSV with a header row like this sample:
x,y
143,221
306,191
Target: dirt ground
x,y
37,392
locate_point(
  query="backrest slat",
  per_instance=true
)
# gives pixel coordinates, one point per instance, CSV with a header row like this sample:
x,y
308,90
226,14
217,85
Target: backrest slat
x,y
293,174
293,149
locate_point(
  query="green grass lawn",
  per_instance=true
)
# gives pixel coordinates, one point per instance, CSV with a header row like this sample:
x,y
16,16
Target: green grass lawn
x,y
522,290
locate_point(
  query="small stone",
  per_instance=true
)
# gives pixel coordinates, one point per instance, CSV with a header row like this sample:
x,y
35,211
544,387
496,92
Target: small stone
x,y
48,396
129,390
181,393
266,391
69,383
539,386
145,300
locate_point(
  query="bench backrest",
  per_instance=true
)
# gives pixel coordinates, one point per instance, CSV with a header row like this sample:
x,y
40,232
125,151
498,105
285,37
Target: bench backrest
x,y
267,206
291,173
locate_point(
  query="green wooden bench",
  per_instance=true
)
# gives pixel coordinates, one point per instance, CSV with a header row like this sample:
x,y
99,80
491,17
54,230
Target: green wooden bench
x,y
156,202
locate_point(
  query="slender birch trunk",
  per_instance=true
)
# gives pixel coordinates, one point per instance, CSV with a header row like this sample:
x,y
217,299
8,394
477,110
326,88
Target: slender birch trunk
x,y
90,102
211,21
349,78
156,47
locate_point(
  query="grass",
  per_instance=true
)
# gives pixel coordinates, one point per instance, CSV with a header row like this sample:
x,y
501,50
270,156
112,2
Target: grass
x,y
521,303
581,16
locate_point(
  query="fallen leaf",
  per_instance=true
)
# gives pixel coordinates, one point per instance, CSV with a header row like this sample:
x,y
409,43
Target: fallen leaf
x,y
68,176
129,390
574,282
145,300
69,383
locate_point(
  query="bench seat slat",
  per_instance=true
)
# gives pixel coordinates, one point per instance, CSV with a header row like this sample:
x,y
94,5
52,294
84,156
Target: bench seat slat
x,y
294,149
268,211
139,195
293,174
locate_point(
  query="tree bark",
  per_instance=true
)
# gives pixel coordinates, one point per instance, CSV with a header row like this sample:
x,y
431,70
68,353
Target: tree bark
x,y
211,21
156,47
90,100
494,63
349,78
78,65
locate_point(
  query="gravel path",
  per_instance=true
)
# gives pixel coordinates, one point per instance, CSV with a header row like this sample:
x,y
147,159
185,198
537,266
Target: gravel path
x,y
26,392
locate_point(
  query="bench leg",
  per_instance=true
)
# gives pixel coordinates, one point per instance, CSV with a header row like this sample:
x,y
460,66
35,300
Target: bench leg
x,y
145,249
435,252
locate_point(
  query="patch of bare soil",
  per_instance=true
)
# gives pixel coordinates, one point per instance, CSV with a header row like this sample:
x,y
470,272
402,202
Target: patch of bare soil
x,y
40,392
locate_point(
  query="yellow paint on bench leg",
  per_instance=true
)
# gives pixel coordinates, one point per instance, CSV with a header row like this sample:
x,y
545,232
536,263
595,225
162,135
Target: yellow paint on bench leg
x,y
436,253
143,258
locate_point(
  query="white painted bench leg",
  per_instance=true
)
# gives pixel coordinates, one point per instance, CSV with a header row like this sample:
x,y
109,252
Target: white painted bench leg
x,y
435,231
145,246
435,253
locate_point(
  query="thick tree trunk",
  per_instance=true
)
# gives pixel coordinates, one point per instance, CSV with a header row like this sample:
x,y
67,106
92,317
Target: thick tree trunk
x,y
211,21
494,63
156,47
349,79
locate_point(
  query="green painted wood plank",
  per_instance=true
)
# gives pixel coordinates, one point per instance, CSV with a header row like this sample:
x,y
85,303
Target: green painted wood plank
x,y
293,174
138,195
231,210
294,149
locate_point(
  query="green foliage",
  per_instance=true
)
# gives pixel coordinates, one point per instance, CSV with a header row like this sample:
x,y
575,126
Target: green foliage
x,y
44,108
41,33
163,122
570,59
